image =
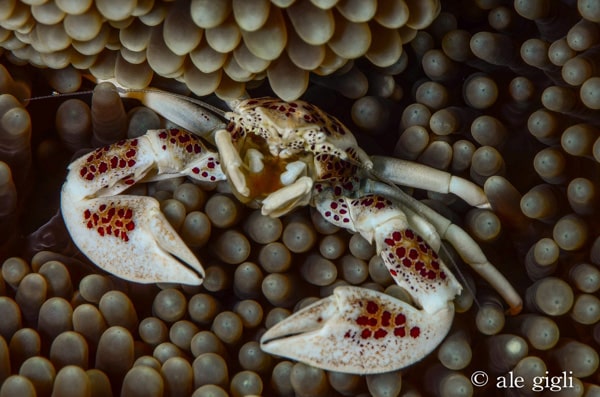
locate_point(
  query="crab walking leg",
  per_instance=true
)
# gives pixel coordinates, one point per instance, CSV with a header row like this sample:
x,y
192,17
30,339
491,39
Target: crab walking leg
x,y
407,173
128,235
464,244
359,331
413,264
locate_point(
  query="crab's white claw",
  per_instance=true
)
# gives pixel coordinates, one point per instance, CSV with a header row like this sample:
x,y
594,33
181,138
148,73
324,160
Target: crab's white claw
x,y
129,237
360,331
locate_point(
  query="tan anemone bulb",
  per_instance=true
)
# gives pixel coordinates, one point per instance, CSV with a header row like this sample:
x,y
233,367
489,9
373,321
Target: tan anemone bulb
x,y
505,94
211,46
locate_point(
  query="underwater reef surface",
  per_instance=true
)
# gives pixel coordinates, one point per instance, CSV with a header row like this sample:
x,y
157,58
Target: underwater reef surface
x,y
505,94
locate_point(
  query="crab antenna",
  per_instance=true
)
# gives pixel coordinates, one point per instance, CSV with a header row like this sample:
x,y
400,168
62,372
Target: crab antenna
x,y
56,94
124,90
194,115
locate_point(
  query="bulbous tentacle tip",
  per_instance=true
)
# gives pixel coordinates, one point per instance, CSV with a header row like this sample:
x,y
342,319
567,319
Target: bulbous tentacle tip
x,y
348,331
130,237
514,310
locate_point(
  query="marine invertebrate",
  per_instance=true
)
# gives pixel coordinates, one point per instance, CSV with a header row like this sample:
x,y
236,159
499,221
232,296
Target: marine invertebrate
x,y
524,248
315,160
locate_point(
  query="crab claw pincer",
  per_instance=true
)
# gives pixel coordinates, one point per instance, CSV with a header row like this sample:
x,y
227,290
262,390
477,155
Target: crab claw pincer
x,y
360,331
130,237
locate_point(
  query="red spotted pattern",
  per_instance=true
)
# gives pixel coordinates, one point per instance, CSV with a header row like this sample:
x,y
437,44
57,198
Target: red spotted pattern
x,y
332,167
372,201
269,118
338,211
409,252
376,322
236,131
301,112
207,173
180,139
341,173
110,220
118,156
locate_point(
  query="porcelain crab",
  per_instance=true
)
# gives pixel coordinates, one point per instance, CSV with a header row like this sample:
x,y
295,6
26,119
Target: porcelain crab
x,y
279,156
